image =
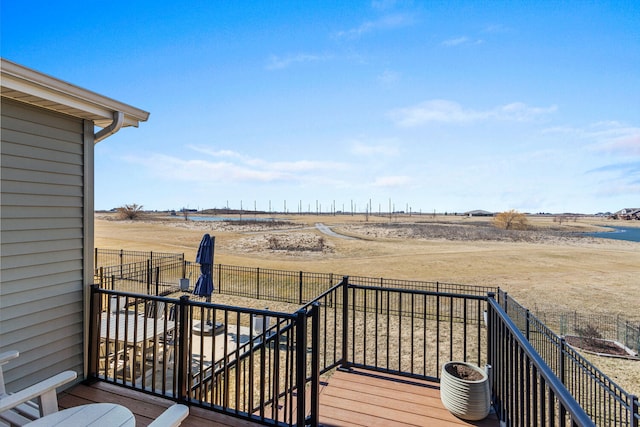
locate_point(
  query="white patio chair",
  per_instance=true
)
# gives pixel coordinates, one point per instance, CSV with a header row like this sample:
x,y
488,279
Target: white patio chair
x,y
32,402
172,417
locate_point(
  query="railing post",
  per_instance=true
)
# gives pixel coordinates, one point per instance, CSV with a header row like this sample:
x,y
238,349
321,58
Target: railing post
x,y
94,331
301,366
258,283
315,364
184,267
527,325
300,289
183,346
157,281
561,367
149,274
344,363
633,410
490,350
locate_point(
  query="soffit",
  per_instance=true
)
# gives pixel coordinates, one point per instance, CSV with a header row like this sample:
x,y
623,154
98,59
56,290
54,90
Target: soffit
x,y
32,87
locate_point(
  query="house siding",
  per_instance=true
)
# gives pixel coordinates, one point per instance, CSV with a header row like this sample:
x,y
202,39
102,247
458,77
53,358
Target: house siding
x,y
43,242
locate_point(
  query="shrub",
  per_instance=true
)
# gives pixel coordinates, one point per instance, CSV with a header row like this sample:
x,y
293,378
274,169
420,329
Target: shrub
x,y
590,334
133,211
511,220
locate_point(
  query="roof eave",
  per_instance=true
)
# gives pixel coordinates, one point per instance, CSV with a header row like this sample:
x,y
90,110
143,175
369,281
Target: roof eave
x,y
32,87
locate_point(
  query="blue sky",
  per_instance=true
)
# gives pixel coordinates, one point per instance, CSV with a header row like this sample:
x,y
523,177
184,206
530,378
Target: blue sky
x,y
445,106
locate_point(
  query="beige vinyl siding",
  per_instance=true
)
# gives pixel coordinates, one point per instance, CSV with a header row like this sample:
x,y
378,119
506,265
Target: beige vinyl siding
x,y
42,242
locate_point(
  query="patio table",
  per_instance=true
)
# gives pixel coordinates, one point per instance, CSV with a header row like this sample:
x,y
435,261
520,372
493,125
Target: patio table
x,y
134,328
92,415
134,334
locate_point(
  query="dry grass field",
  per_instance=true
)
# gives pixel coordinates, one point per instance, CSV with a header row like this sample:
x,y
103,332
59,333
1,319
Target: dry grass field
x,y
544,269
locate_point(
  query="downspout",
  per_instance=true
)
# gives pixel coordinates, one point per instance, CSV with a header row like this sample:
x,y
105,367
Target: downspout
x,y
118,120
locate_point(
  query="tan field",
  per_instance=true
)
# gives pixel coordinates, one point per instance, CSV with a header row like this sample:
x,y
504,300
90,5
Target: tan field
x,y
587,275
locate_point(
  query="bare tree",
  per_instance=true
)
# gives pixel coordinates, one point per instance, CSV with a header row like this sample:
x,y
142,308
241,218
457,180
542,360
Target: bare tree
x,y
560,219
511,220
133,211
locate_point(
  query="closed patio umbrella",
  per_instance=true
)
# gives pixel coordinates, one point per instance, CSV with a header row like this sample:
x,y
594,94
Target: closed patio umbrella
x,y
204,285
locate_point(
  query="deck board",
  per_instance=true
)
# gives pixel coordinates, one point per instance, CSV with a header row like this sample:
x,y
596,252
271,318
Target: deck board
x,y
367,398
354,398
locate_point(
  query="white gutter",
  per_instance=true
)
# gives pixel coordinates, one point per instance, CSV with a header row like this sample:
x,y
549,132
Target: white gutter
x,y
118,120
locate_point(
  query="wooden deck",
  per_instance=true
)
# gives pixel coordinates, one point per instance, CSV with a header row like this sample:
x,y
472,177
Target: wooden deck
x,y
365,398
356,398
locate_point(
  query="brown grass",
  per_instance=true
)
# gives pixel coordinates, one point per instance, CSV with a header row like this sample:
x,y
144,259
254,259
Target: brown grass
x,y
586,275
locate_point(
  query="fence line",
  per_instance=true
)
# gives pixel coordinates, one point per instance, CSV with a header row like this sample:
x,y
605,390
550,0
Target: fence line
x,y
526,391
610,327
161,274
605,401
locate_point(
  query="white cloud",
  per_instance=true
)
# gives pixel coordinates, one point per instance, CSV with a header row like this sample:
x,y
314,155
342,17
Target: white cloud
x,y
389,78
387,22
237,168
615,137
458,41
215,153
521,112
455,42
306,166
383,4
443,111
279,63
608,136
392,181
384,149
496,28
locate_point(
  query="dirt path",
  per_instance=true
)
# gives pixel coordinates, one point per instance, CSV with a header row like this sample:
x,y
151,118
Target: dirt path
x,y
329,232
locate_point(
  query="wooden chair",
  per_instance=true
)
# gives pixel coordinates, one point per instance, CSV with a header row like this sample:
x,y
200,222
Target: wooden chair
x,y
155,309
32,402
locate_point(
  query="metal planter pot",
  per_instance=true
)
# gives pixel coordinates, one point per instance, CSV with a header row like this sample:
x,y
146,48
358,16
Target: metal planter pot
x,y
466,399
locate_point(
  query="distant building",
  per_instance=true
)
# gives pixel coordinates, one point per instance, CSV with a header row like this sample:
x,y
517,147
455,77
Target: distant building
x,y
627,213
478,213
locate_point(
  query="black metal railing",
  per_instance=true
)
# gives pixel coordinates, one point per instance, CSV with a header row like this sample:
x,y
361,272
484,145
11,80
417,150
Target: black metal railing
x,y
409,328
412,332
605,401
525,390
164,271
238,366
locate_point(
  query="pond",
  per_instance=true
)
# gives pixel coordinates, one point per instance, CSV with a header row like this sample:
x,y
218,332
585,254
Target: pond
x,y
619,233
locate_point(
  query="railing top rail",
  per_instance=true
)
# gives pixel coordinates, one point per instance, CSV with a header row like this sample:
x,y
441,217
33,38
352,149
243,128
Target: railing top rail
x,y
418,292
246,310
322,295
132,294
578,414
